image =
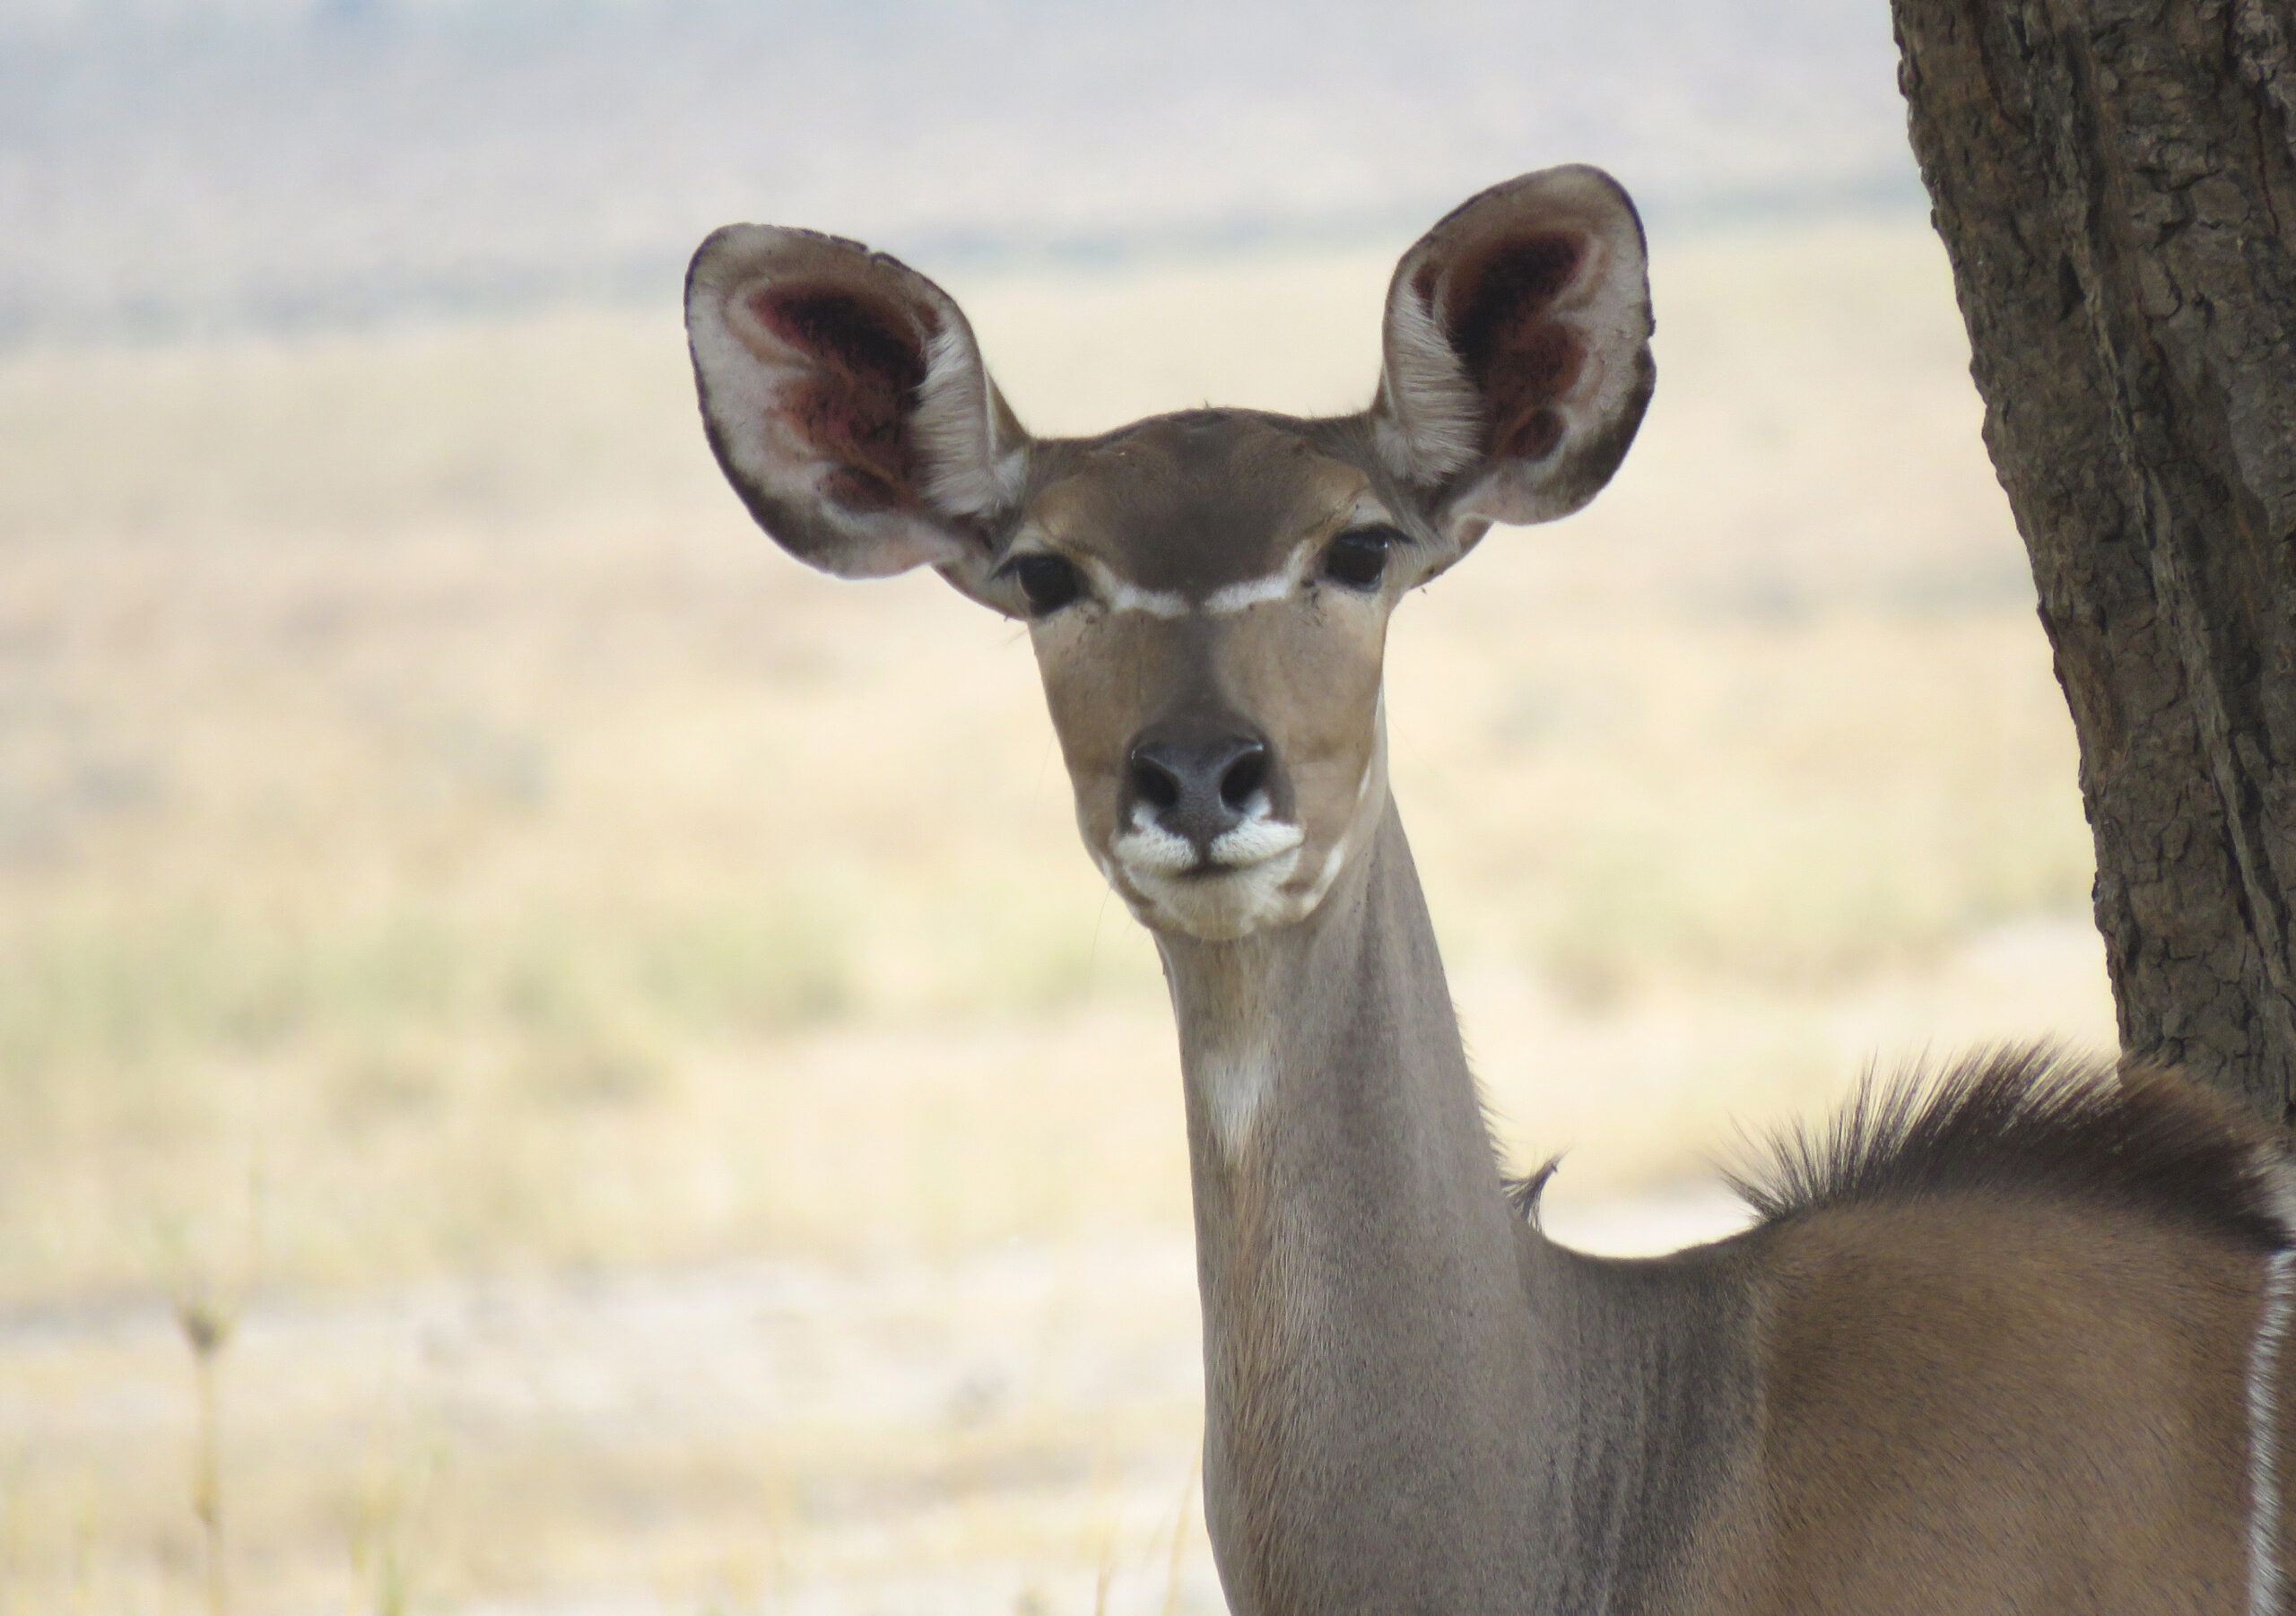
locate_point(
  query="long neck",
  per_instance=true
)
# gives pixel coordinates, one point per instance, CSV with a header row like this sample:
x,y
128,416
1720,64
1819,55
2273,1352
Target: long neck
x,y
1413,1401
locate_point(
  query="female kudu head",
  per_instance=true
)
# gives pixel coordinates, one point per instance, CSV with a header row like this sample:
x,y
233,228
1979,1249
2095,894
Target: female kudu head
x,y
1207,591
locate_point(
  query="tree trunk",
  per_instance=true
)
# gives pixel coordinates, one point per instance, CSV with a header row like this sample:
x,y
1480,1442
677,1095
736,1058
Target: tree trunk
x,y
2116,184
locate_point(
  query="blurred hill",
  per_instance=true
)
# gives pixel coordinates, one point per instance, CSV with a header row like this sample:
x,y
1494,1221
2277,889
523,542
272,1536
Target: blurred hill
x,y
171,168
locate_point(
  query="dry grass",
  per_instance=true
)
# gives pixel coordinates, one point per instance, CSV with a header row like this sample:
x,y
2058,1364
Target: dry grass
x,y
442,845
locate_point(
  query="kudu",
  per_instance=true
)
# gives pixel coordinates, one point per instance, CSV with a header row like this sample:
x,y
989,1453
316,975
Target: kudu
x,y
2010,1345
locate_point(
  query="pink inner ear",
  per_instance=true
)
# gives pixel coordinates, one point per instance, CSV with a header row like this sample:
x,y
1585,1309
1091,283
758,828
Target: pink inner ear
x,y
853,405
1519,359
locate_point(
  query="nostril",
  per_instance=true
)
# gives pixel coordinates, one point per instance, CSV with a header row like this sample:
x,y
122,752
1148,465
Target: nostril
x,y
1196,787
1243,779
1154,784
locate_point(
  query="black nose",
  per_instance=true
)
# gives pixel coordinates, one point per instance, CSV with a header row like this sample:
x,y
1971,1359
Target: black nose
x,y
1197,784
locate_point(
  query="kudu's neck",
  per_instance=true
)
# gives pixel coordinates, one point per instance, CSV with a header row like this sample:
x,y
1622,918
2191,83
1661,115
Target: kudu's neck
x,y
1413,1400
1349,1005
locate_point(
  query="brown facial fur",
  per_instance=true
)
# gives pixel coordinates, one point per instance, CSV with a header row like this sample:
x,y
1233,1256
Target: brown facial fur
x,y
1194,501
1181,507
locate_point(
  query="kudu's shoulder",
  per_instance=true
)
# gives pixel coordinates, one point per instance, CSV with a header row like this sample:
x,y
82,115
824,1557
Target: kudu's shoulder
x,y
2027,1308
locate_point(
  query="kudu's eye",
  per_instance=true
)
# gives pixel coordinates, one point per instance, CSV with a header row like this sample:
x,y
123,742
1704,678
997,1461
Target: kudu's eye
x,y
1360,555
1048,582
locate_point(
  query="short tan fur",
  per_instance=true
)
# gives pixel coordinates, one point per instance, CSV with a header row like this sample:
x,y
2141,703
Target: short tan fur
x,y
2009,1344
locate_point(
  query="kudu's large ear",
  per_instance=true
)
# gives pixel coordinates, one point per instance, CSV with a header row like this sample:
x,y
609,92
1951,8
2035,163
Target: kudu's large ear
x,y
847,402
1517,352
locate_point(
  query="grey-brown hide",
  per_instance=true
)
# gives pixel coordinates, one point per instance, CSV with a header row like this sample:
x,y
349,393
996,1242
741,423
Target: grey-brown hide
x,y
2026,1356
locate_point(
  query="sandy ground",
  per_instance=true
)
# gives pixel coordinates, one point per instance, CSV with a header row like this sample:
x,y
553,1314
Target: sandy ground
x,y
1044,1401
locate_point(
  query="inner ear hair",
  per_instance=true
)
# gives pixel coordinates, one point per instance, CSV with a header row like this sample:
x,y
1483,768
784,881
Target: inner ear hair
x,y
973,449
847,404
860,365
1516,348
1519,359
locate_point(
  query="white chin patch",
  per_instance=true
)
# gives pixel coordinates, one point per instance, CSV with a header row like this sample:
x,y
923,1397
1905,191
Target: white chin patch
x,y
1242,889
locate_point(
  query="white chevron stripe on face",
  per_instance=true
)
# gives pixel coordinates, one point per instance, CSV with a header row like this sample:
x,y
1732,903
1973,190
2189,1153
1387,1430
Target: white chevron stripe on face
x,y
1119,594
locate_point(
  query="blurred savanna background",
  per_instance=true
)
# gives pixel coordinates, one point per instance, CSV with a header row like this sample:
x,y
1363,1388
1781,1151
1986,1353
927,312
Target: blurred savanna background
x,y
551,1061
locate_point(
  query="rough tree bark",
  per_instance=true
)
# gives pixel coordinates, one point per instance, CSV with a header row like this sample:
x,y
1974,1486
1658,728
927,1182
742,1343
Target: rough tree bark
x,y
2116,184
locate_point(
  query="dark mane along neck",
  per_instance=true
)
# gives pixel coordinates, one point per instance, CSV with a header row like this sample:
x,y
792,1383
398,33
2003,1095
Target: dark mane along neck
x,y
2032,1121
